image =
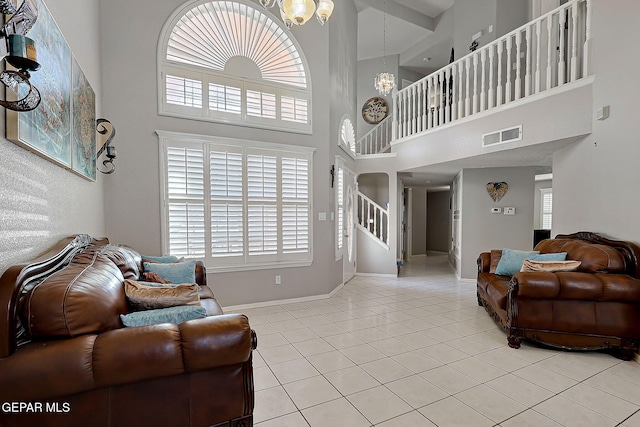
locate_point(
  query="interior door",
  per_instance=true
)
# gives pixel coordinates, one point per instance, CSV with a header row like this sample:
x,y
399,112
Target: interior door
x,y
350,247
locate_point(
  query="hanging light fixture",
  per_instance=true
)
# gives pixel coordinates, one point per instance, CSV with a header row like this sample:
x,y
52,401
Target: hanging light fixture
x,y
384,82
298,12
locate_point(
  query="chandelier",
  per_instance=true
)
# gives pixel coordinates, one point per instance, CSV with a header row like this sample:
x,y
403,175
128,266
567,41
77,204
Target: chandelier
x,y
298,12
384,82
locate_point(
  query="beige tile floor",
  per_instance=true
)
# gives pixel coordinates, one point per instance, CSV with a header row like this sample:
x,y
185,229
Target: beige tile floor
x,y
418,351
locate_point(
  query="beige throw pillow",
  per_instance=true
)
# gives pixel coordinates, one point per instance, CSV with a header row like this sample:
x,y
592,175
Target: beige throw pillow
x,y
142,297
550,266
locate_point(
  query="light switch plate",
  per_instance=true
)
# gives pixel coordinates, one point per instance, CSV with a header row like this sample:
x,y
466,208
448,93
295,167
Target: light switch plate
x,y
322,216
496,210
509,211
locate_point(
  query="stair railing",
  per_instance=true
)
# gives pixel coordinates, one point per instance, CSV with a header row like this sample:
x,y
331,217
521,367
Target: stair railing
x,y
374,219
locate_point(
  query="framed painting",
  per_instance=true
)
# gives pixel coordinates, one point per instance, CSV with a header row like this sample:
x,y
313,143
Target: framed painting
x,y
47,129
83,119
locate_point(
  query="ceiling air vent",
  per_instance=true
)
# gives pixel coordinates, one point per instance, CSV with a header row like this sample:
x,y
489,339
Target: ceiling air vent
x,y
502,136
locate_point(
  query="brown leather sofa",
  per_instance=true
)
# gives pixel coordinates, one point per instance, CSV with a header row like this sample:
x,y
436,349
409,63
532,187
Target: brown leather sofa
x,y
595,307
66,360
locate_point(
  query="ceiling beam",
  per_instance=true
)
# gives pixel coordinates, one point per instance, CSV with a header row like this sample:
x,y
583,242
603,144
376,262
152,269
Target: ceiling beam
x,y
402,12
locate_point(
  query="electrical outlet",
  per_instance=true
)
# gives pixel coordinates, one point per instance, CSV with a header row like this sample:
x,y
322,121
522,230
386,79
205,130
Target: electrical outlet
x,y
278,280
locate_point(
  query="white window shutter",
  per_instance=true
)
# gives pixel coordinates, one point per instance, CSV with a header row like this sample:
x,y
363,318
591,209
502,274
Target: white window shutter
x,y
227,212
185,188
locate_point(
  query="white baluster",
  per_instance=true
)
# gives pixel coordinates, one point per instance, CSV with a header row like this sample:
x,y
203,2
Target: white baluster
x,y
527,71
405,104
429,102
425,104
574,42
538,57
454,93
375,220
562,65
499,93
491,77
440,88
518,51
467,101
588,42
507,95
475,83
483,89
550,51
461,112
445,95
394,127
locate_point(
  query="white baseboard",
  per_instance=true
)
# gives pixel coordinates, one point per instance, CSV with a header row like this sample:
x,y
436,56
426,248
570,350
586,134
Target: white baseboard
x,y
282,301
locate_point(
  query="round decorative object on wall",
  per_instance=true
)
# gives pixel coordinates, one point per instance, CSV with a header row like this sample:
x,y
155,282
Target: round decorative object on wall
x,y
375,110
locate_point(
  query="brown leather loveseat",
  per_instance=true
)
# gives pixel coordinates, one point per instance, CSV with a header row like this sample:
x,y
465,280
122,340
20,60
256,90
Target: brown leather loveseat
x,y
66,359
595,307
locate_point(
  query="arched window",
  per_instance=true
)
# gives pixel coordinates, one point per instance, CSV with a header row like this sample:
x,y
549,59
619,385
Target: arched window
x,y
227,61
347,136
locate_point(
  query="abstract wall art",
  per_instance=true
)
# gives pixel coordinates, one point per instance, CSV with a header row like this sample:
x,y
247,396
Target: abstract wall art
x,y
62,128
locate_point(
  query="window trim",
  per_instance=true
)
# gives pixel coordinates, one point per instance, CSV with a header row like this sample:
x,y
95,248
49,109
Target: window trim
x,y
204,114
165,137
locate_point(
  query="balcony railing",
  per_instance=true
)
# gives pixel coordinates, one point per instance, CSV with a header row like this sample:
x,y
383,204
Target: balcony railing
x,y
543,54
377,140
373,218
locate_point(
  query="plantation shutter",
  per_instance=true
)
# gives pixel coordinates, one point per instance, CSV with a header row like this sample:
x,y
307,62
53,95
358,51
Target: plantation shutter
x,y
547,208
340,209
262,209
295,205
236,205
227,211
185,192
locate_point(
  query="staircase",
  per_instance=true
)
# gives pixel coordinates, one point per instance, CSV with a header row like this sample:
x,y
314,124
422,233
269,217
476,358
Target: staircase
x,y
373,219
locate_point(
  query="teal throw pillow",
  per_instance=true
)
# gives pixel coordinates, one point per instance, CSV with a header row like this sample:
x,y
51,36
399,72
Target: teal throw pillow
x,y
177,314
554,256
511,261
177,272
166,258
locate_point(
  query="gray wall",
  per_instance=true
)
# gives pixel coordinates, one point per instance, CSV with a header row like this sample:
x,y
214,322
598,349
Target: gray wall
x,y
482,230
472,16
438,221
41,203
375,186
595,181
130,34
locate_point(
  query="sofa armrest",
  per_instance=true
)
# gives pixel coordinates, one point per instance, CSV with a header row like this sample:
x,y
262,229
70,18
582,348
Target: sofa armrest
x,y
48,369
484,262
576,286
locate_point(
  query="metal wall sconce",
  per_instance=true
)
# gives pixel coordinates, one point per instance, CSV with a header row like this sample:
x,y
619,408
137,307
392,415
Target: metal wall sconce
x,y
105,127
20,52
332,171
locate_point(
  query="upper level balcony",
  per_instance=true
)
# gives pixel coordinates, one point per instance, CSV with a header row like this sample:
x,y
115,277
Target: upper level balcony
x,y
543,67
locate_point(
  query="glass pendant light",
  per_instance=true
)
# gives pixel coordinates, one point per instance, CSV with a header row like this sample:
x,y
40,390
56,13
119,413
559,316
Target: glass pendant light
x,y
325,8
384,82
299,11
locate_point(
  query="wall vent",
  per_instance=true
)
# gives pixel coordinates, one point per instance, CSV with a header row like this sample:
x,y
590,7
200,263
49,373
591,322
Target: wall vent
x,y
502,136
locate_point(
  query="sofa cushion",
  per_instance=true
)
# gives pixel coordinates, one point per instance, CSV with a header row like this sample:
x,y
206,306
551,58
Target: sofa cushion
x,y
142,297
511,261
160,259
554,256
176,315
178,272
85,297
595,258
126,259
551,266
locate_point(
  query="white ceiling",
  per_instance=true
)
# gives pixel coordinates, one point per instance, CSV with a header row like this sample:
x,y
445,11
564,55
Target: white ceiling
x,y
400,34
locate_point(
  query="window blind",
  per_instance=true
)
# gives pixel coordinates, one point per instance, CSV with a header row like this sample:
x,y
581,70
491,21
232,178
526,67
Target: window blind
x,y
258,207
